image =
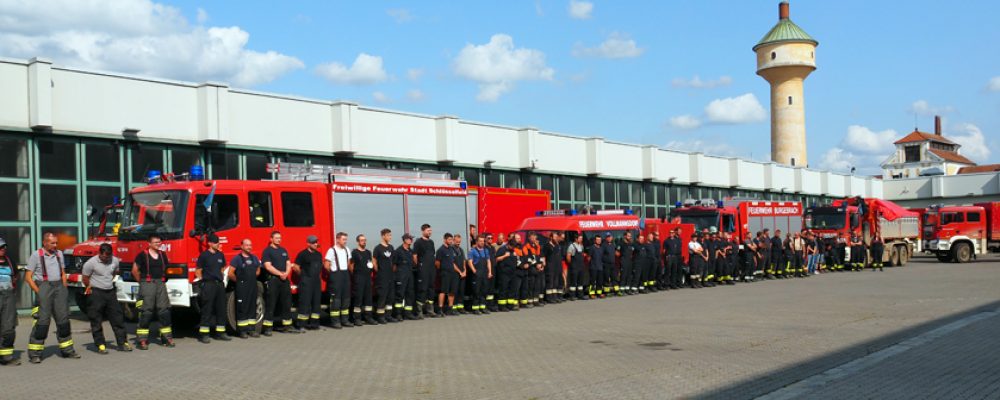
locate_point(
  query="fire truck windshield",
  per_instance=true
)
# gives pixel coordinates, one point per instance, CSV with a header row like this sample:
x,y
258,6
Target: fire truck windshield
x,y
701,221
160,212
825,220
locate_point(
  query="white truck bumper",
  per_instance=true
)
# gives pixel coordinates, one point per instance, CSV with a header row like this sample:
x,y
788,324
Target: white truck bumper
x,y
179,292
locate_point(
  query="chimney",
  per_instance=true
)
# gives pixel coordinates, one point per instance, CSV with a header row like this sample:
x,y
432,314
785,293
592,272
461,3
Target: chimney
x,y
783,10
937,124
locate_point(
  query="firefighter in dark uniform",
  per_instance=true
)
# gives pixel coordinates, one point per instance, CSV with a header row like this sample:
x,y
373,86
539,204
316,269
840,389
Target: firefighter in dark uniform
x,y
575,259
209,274
480,271
361,273
404,269
423,253
8,307
735,266
748,257
777,255
337,263
674,259
877,250
532,252
764,248
245,270
449,275
385,279
309,264
278,306
857,253
608,261
697,258
708,269
627,252
507,261
102,304
841,253
657,276
553,252
596,272
47,279
460,261
149,269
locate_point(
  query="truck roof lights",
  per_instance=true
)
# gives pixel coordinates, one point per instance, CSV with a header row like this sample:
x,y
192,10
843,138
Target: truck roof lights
x,y
153,176
197,173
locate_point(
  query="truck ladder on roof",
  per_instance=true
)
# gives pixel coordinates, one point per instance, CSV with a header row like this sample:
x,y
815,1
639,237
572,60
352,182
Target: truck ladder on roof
x,y
302,172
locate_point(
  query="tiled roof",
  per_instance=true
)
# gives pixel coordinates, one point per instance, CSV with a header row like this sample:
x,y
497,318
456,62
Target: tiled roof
x,y
918,136
979,168
952,156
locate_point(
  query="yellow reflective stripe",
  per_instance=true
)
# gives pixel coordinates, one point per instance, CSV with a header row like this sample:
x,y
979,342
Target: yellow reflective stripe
x,y
334,313
268,323
142,331
368,308
303,317
6,352
314,316
286,322
68,343
138,304
490,297
165,330
204,330
399,305
503,302
36,347
408,308
220,329
242,324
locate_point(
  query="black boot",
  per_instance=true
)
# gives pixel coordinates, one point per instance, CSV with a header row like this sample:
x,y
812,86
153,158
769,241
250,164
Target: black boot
x,y
369,320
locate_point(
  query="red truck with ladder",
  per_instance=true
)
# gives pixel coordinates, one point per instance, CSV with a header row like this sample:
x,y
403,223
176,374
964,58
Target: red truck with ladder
x,y
302,200
75,256
740,216
866,217
959,233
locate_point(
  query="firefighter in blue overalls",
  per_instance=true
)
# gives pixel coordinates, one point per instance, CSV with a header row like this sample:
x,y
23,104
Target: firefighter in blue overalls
x,y
245,270
47,279
8,307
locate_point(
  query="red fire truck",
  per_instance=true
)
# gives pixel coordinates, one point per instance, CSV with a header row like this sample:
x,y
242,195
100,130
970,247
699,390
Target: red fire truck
x,y
898,227
740,216
304,200
75,256
959,233
501,210
593,223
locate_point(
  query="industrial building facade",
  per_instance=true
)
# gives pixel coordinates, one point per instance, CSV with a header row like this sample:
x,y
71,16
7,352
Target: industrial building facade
x,y
72,140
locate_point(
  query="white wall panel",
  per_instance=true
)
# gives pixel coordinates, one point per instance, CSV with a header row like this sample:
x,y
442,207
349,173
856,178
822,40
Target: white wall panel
x,y
561,153
811,181
385,134
279,123
14,101
673,164
751,175
475,143
715,171
782,178
621,160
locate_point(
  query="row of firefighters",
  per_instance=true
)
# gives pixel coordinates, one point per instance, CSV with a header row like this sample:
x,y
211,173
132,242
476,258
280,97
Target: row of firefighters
x,y
411,281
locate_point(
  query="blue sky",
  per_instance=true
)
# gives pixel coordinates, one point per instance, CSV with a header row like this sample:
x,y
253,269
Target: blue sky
x,y
623,70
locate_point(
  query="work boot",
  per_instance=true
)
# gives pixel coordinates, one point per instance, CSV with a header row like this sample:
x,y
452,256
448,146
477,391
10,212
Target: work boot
x,y
266,332
380,319
35,359
72,354
102,349
243,335
125,347
223,337
168,342
10,360
369,320
346,321
204,339
143,344
335,323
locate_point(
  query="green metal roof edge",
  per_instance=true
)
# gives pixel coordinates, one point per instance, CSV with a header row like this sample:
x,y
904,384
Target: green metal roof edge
x,y
785,31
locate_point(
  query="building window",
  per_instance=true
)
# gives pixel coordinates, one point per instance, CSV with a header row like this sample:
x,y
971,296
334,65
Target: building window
x,y
102,162
789,100
773,55
256,166
14,197
144,159
58,203
225,165
14,163
57,160
912,153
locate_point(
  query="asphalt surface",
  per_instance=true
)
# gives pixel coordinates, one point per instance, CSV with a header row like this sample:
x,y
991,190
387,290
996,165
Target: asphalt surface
x,y
927,330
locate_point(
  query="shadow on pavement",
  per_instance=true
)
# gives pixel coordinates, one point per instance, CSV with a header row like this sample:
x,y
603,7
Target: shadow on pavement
x,y
774,380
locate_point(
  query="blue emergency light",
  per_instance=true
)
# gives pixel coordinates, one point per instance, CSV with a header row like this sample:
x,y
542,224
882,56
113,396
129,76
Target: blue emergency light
x,y
629,211
464,185
197,173
678,204
152,176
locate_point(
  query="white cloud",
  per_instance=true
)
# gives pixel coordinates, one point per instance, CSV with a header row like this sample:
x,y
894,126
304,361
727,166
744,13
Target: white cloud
x,y
136,37
617,45
202,17
736,110
415,95
923,108
973,142
497,65
697,83
862,149
994,84
414,74
366,70
400,15
685,122
381,97
580,9
713,147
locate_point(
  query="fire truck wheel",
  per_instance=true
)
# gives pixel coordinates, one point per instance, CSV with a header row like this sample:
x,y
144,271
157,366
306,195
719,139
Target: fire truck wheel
x,y
961,252
894,257
130,312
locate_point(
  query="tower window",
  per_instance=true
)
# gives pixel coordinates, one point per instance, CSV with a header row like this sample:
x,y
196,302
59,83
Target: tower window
x,y
793,161
789,100
812,54
773,55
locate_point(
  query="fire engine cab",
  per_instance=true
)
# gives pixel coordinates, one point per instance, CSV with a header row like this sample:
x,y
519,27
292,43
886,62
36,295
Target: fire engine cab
x,y
303,200
959,233
588,223
740,216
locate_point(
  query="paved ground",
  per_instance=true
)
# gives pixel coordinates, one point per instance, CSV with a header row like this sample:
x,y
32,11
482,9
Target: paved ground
x,y
928,329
